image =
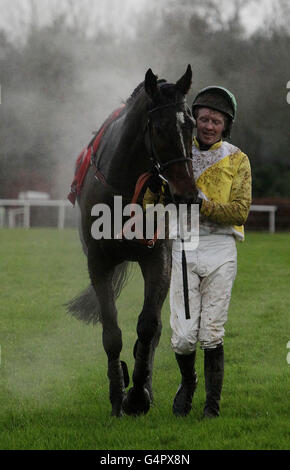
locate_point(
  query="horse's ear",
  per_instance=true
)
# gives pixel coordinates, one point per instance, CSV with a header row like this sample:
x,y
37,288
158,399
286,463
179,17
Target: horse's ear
x,y
184,83
151,86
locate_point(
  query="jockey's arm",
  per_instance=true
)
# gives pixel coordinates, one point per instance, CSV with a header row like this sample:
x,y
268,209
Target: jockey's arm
x,y
236,210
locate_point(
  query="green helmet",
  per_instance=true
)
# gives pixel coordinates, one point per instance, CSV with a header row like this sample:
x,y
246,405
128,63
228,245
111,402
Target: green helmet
x,y
218,98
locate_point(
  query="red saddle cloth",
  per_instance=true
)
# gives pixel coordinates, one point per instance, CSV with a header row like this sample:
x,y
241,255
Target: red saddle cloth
x,y
84,159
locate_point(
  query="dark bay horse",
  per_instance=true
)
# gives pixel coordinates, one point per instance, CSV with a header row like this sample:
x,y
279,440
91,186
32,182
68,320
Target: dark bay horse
x,y
154,130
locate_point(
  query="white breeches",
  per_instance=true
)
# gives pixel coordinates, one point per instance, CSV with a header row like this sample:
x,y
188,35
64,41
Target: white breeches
x,y
211,270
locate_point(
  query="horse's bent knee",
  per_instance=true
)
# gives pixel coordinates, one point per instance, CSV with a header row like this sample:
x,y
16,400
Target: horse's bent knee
x,y
147,329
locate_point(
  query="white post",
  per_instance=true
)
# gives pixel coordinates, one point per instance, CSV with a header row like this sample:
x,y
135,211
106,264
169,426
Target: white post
x,y
11,219
2,217
61,216
272,222
26,216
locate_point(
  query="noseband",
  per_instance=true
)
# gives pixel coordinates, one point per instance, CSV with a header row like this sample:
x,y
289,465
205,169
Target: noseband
x,y
160,167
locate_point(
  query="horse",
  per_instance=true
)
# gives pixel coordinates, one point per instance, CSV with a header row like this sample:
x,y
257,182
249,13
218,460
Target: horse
x,y
153,133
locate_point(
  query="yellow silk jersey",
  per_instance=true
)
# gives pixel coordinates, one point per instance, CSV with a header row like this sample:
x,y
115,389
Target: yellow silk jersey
x,y
223,177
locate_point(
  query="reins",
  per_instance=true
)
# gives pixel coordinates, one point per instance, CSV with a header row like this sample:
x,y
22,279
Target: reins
x,y
158,167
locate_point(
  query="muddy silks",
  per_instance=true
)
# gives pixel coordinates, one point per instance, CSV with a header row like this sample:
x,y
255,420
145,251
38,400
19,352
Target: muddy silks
x,y
223,177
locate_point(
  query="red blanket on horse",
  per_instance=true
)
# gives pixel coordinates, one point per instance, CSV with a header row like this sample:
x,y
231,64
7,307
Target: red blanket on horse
x,y
84,159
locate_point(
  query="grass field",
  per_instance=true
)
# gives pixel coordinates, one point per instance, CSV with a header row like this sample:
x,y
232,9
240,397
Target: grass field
x,y
54,388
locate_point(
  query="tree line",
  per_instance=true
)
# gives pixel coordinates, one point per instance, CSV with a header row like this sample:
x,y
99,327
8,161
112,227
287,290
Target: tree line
x,y
59,85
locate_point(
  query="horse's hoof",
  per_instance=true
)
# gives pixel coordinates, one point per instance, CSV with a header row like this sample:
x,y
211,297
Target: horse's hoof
x,y
137,402
117,407
117,413
149,389
117,410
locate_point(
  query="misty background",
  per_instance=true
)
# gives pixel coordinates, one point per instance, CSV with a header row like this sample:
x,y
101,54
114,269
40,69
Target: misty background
x,y
66,65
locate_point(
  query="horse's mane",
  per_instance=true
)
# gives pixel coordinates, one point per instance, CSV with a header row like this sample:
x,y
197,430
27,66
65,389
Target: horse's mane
x,y
138,89
129,100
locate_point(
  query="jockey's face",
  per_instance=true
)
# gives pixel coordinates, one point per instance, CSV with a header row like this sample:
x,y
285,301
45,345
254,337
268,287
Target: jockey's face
x,y
210,125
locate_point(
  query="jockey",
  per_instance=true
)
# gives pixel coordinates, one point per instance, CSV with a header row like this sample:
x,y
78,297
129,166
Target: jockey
x,y
222,175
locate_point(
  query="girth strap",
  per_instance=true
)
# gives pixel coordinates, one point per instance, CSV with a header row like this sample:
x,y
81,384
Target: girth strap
x,y
141,182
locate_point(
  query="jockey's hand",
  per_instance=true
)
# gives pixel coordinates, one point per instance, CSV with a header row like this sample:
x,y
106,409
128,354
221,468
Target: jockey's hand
x,y
150,198
155,197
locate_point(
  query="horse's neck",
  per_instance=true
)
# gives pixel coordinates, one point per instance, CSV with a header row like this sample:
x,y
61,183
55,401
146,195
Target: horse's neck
x,y
130,158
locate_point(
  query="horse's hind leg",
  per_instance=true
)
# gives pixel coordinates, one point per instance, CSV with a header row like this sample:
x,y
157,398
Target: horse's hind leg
x,y
101,276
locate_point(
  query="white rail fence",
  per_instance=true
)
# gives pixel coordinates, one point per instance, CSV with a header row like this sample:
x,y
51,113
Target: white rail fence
x,y
14,208
10,209
271,210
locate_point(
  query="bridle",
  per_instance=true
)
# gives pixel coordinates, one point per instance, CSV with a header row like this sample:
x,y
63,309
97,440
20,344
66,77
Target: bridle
x,y
158,166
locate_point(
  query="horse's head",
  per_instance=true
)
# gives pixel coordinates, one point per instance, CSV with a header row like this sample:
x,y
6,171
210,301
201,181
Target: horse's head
x,y
170,132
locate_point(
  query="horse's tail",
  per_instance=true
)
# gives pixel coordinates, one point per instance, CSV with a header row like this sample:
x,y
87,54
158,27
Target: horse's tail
x,y
86,306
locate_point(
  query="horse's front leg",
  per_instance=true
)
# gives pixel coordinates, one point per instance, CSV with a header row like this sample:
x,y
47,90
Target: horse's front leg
x,y
101,273
156,273
154,344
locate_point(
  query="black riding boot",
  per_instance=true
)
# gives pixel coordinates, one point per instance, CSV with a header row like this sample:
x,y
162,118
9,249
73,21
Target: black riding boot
x,y
213,374
183,398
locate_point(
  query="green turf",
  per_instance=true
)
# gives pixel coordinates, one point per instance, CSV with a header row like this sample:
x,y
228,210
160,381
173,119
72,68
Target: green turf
x,y
54,388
